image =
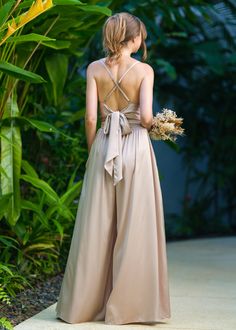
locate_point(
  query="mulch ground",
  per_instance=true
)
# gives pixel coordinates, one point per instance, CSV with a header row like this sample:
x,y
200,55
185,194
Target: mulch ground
x,y
31,301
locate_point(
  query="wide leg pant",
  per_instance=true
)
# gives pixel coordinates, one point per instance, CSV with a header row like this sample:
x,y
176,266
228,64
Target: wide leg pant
x,y
117,264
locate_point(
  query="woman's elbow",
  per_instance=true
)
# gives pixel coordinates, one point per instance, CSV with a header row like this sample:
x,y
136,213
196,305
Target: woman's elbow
x,y
147,123
90,120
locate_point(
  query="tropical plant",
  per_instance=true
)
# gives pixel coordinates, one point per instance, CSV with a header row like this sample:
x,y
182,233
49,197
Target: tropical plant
x,y
47,37
11,137
11,281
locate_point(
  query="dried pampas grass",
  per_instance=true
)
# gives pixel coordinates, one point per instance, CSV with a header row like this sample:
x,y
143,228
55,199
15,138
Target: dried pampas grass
x,y
166,125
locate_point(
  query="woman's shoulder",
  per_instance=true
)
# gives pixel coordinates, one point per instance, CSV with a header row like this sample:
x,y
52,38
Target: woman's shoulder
x,y
92,64
148,68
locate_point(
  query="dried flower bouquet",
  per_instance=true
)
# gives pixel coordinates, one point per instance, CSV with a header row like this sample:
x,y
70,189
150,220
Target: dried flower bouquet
x,y
166,126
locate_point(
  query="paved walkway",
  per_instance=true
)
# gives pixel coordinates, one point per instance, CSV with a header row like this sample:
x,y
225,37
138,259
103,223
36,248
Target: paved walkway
x,y
202,274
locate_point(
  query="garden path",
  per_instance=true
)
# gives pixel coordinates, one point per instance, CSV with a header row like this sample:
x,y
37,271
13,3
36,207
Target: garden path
x,y
202,277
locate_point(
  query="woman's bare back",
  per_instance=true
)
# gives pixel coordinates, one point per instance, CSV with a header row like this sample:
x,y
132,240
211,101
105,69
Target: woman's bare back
x,y
137,85
128,89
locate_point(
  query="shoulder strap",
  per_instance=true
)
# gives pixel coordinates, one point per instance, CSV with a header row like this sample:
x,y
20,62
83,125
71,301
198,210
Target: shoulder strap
x,y
127,71
111,75
115,82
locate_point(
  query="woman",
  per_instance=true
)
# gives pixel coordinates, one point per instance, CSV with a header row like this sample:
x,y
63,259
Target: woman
x,y
117,267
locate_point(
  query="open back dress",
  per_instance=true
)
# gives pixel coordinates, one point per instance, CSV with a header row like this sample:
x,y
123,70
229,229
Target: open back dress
x,y
116,269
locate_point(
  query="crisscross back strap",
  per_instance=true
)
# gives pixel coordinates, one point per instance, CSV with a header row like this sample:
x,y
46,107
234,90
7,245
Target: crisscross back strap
x,y
127,71
117,82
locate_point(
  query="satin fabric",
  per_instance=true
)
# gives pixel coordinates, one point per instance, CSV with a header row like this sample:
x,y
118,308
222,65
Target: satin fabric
x,y
116,269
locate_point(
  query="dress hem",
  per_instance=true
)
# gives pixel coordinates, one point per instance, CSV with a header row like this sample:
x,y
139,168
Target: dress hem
x,y
162,320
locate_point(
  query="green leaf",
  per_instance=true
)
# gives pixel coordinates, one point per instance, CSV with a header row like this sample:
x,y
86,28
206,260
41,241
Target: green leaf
x,y
28,205
6,269
8,241
60,209
68,2
97,9
4,202
4,137
58,44
11,154
20,73
29,38
72,178
39,246
5,10
68,197
57,68
41,125
52,196
44,127
3,172
25,238
59,228
29,169
84,6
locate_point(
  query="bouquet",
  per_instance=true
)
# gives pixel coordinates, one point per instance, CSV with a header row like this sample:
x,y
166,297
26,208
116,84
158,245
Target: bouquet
x,y
166,125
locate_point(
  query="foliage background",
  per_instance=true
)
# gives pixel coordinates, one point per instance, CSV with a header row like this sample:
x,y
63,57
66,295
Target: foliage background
x,y
191,46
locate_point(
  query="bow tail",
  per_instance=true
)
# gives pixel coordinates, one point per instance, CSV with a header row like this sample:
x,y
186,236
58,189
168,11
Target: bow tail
x,y
113,159
118,163
113,167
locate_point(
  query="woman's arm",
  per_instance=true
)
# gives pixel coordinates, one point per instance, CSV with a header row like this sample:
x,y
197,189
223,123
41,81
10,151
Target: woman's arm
x,y
146,97
91,105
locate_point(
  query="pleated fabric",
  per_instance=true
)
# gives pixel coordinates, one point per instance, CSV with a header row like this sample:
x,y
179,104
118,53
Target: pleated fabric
x,y
116,270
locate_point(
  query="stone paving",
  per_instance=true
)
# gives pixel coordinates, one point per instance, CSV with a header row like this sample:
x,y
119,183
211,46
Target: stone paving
x,y
202,277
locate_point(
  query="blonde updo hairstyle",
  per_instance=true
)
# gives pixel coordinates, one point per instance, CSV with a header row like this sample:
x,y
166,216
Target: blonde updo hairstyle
x,y
118,29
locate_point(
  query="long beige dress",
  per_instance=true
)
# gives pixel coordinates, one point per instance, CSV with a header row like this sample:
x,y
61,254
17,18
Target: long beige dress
x,y
116,270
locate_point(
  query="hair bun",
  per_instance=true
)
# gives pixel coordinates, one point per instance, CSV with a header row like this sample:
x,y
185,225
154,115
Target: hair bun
x,y
118,30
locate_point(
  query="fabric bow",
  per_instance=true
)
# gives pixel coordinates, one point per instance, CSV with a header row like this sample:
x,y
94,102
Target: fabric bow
x,y
116,124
